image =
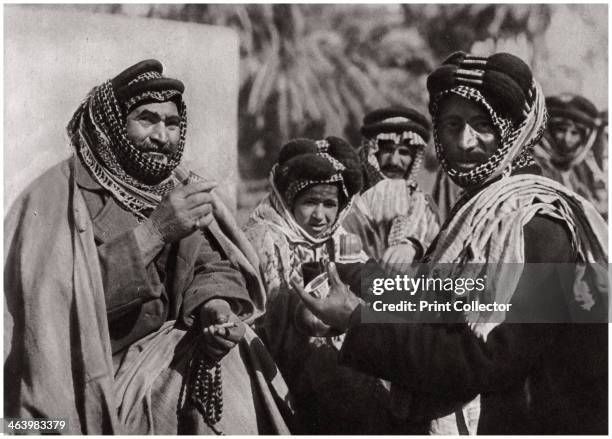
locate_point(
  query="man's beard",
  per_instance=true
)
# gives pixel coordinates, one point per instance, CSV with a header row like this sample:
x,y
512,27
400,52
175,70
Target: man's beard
x,y
563,149
146,168
155,152
563,156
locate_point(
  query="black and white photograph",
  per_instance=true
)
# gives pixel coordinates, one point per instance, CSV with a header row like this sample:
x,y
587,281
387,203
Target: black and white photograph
x,y
306,219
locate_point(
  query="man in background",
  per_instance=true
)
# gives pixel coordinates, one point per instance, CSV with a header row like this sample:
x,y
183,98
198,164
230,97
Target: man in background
x,y
574,149
403,218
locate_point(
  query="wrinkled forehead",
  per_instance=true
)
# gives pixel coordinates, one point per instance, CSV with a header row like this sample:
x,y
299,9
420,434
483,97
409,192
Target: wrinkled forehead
x,y
162,109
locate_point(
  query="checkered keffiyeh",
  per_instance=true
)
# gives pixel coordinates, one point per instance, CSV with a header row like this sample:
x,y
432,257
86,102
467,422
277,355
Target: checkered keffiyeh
x,y
98,134
279,206
146,95
368,151
297,186
517,142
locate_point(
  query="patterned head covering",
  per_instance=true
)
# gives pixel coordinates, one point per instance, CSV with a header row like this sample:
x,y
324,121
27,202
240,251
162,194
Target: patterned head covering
x,y
400,125
584,115
98,133
303,163
503,85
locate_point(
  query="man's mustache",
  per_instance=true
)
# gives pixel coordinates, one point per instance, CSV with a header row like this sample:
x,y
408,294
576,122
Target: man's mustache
x,y
148,146
566,147
471,157
392,168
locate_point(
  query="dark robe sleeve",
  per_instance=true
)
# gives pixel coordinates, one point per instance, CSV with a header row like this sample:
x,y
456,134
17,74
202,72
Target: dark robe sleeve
x,y
198,274
451,360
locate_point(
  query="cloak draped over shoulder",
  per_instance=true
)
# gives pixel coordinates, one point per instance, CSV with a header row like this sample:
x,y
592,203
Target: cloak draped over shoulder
x,y
51,318
58,360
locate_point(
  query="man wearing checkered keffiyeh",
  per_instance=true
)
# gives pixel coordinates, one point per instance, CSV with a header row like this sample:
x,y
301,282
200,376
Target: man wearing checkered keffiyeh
x,y
540,367
394,142
122,315
400,218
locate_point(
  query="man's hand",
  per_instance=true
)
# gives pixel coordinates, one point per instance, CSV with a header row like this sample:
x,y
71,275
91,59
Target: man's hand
x,y
307,323
184,210
334,310
221,328
397,258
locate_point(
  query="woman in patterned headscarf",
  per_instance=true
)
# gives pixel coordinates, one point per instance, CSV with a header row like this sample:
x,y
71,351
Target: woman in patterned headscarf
x,y
298,229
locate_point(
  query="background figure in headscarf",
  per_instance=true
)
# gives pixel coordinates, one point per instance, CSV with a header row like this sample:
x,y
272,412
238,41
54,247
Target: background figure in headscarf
x,y
125,282
403,218
527,354
574,148
296,230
